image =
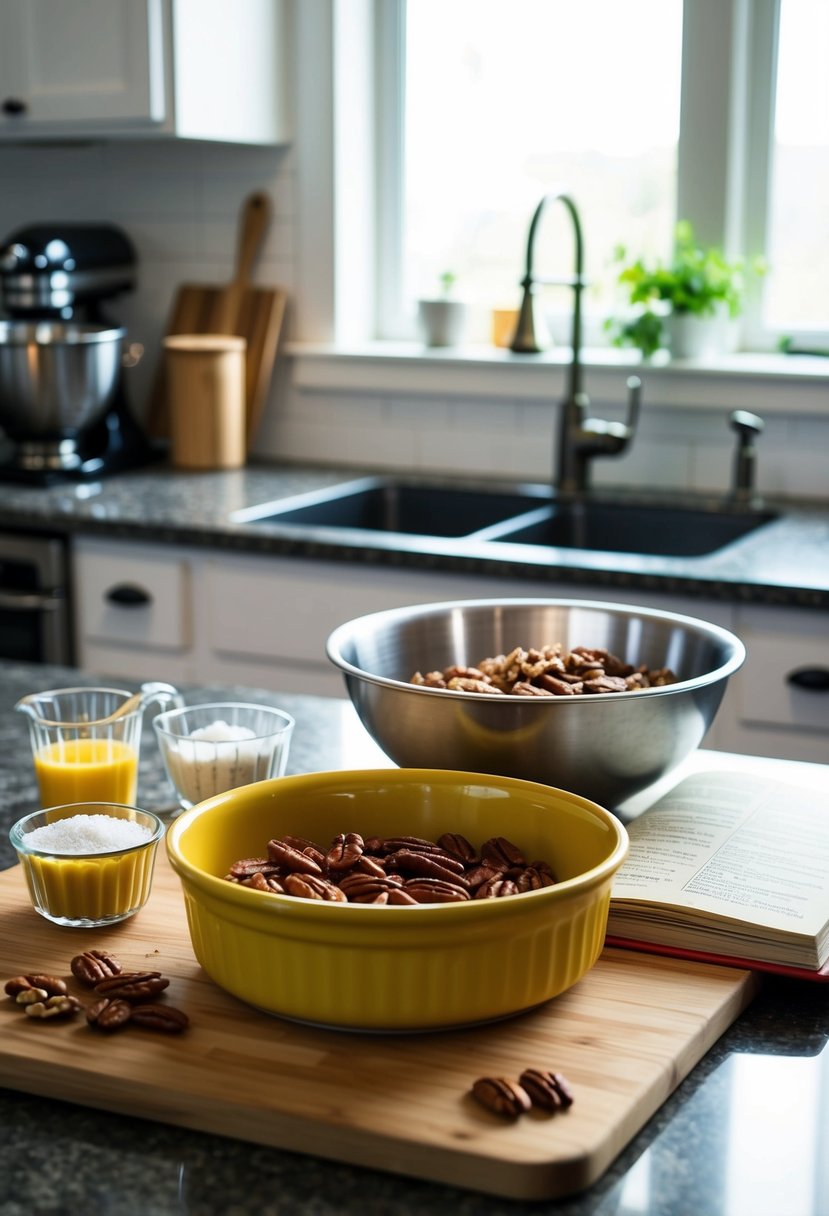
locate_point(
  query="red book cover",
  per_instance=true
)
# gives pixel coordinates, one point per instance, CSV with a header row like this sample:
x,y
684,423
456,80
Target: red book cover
x,y
723,960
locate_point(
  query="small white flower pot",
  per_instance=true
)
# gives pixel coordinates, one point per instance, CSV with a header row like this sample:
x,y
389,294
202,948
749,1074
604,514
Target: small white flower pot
x,y
441,322
693,337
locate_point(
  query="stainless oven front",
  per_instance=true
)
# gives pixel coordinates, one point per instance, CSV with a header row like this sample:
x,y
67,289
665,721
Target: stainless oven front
x,y
34,599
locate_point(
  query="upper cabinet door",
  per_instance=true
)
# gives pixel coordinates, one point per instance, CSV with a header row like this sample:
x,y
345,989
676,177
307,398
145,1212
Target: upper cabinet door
x,y
81,61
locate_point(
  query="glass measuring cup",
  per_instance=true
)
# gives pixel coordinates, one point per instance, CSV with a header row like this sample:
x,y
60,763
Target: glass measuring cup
x,y
208,749
85,741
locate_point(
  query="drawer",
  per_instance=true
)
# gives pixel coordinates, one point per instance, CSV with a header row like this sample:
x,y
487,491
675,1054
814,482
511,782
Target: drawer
x,y
132,596
286,609
780,644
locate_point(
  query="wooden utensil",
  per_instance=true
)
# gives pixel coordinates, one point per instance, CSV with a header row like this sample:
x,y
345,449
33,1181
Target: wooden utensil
x,y
237,308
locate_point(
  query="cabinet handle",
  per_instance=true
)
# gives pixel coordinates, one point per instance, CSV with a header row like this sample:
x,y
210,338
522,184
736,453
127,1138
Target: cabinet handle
x,y
813,679
127,595
14,106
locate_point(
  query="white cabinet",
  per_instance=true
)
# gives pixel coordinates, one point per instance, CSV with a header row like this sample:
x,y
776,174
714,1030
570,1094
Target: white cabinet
x,y
780,699
134,610
194,69
263,621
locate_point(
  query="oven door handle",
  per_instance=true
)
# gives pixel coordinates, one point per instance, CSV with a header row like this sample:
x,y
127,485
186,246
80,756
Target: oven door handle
x,y
24,601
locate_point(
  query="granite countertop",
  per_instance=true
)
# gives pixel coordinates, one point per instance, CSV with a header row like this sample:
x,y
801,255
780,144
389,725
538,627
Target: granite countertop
x,y
784,562
743,1135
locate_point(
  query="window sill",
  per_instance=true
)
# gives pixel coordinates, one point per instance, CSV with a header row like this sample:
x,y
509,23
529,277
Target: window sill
x,y
765,383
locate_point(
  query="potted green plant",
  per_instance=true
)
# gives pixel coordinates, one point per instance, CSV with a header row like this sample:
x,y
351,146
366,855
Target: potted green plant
x,y
686,305
442,318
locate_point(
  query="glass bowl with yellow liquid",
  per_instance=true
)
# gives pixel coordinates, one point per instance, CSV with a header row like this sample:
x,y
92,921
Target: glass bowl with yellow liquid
x,y
88,864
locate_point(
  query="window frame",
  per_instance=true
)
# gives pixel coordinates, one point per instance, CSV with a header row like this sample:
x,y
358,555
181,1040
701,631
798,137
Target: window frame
x,y
724,167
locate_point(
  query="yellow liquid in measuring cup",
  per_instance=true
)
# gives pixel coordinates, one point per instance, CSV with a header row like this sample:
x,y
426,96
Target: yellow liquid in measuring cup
x,y
87,770
97,889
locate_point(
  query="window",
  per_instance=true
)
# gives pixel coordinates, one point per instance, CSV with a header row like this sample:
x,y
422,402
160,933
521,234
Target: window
x,y
799,204
716,111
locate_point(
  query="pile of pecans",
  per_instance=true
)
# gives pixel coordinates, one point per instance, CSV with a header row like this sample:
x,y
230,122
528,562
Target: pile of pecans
x,y
550,671
539,1087
396,870
121,996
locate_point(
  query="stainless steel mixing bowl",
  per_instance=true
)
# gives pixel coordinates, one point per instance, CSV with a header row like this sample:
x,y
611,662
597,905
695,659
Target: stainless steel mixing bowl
x,y
605,747
56,378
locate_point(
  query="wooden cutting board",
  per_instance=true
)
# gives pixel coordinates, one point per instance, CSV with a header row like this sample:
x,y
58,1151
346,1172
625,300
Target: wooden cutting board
x,y
235,308
625,1036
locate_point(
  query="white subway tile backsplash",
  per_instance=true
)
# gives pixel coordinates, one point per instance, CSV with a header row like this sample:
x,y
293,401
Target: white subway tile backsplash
x,y
180,204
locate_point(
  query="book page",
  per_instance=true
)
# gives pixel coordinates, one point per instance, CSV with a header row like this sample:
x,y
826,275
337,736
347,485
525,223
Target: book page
x,y
733,846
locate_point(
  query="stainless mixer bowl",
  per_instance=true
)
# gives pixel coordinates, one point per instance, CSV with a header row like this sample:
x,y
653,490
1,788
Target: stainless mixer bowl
x,y
56,378
605,747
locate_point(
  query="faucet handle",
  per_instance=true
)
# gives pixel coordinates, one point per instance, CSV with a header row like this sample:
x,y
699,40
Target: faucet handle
x,y
746,425
634,387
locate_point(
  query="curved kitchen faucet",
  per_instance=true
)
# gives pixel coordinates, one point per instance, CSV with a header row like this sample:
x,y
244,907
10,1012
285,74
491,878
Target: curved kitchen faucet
x,y
580,438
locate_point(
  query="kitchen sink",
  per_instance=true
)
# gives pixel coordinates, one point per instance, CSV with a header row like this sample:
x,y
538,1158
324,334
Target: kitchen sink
x,y
657,530
386,505
523,515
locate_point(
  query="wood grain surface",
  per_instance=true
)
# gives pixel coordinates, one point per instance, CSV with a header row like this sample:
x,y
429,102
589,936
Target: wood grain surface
x,y
235,308
625,1036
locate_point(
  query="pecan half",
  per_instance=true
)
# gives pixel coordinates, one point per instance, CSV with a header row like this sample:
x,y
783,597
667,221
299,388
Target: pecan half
x,y
523,689
371,865
435,891
248,866
502,852
94,966
558,686
53,985
533,879
258,882
366,888
483,873
497,888
426,865
604,684
501,1096
109,1015
313,886
393,844
16,985
133,986
346,850
292,859
309,847
547,1090
458,846
398,896
164,1019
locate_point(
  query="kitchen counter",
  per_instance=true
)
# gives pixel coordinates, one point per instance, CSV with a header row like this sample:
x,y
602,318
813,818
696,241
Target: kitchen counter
x,y
785,563
745,1133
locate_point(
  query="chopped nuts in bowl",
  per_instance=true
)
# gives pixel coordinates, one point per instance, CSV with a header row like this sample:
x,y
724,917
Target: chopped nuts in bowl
x,y
505,708
305,954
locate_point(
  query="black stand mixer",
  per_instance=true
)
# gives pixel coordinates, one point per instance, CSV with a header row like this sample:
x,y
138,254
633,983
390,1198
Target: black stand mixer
x,y
63,406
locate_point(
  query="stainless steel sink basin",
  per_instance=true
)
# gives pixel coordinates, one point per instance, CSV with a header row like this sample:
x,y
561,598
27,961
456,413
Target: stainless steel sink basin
x,y
666,531
386,505
524,515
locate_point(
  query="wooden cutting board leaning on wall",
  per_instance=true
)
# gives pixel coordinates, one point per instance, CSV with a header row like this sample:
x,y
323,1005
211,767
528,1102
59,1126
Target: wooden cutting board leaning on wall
x,y
236,308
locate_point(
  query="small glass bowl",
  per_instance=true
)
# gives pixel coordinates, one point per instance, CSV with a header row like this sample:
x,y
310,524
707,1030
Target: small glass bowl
x,y
200,768
87,890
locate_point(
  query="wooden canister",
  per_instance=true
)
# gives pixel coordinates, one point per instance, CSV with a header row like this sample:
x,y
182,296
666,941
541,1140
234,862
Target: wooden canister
x,y
206,396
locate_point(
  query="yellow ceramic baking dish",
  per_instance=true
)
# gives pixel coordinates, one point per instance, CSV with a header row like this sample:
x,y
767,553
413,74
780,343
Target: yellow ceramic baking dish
x,y
386,968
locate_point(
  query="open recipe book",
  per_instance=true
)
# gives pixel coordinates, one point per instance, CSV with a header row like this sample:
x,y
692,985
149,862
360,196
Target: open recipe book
x,y
729,868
